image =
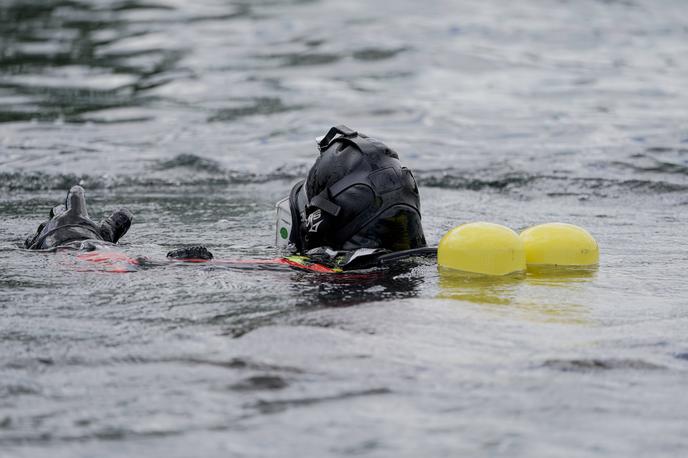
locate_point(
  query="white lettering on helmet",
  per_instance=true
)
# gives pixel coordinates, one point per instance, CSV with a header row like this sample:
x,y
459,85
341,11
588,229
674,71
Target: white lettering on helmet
x,y
314,221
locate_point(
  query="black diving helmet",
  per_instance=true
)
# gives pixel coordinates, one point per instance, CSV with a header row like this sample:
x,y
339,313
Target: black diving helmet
x,y
356,195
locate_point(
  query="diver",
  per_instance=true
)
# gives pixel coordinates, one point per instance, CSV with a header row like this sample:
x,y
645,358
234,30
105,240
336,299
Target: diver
x,y
70,224
70,227
357,208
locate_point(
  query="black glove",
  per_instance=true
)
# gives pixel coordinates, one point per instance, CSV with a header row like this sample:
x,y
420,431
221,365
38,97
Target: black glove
x,y
70,223
194,253
116,225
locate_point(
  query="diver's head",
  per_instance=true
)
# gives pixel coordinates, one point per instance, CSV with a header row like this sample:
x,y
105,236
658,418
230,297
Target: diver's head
x,y
356,195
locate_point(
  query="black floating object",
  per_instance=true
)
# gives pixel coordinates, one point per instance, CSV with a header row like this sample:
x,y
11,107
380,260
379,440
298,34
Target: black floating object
x,y
191,253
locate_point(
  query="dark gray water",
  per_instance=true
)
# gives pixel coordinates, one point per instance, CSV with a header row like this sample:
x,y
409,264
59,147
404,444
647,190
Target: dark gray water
x,y
199,115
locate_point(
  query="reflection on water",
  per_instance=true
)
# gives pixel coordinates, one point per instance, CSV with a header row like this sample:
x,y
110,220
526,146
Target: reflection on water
x,y
543,293
479,289
348,289
560,275
64,58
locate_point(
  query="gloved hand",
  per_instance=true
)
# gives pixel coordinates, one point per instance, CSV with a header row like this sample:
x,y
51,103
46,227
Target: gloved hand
x,y
70,223
191,253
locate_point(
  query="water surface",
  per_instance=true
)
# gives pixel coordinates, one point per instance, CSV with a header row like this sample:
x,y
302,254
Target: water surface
x,y
198,116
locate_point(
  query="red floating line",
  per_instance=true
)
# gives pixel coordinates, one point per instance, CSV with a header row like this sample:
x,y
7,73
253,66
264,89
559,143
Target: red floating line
x,y
112,262
107,257
279,261
312,267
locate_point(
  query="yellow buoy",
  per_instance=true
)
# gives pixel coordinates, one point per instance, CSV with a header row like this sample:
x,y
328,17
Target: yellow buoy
x,y
482,248
560,244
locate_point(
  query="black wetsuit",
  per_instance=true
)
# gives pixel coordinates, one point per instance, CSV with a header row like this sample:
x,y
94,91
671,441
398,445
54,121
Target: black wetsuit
x,y
70,226
70,223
